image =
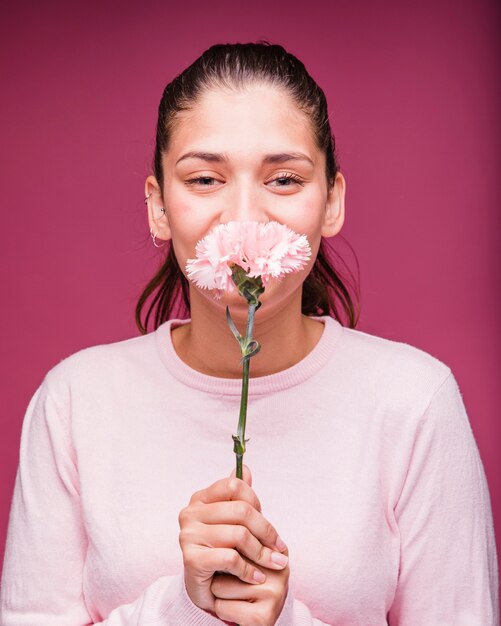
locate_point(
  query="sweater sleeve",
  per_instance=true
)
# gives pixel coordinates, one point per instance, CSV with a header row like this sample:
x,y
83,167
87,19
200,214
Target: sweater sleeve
x,y
42,579
448,571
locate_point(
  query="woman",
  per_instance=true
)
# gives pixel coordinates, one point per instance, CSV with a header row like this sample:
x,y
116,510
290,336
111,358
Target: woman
x,y
366,473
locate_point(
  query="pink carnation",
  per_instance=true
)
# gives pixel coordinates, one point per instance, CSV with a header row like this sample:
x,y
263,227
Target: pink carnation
x,y
266,249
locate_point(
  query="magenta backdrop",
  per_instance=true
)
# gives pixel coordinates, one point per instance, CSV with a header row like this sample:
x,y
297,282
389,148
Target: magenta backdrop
x,y
414,93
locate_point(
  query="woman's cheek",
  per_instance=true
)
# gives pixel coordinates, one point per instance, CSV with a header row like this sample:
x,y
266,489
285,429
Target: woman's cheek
x,y
306,218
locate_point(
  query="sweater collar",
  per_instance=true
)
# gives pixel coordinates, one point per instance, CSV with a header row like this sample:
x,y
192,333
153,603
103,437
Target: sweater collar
x,y
261,385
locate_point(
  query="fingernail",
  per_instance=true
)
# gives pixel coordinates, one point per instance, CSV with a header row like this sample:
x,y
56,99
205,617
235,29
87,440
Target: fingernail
x,y
279,559
258,576
280,544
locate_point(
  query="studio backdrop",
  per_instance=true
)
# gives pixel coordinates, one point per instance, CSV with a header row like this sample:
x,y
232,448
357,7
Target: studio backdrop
x,y
414,96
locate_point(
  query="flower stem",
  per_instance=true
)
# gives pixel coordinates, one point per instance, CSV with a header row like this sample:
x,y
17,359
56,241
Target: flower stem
x,y
239,440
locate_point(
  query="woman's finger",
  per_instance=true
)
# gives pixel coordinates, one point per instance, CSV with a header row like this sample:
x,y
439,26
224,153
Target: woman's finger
x,y
227,489
235,513
241,539
229,587
239,611
223,560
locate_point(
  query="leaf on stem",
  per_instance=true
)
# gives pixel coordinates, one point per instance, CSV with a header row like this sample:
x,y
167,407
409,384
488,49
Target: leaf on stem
x,y
249,288
232,326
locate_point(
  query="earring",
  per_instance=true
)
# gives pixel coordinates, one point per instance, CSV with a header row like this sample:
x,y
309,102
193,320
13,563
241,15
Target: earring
x,y
146,198
154,239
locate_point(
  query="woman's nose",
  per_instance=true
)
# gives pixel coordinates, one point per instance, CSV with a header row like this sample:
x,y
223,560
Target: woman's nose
x,y
245,202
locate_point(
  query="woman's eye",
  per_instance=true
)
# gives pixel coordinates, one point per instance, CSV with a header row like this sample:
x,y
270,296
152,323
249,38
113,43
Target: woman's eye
x,y
203,181
286,180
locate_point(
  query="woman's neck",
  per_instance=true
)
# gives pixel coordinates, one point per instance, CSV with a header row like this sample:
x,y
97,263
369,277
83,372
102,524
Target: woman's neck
x,y
207,345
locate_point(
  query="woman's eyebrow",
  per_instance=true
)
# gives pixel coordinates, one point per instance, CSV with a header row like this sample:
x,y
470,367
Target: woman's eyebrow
x,y
212,157
283,157
215,157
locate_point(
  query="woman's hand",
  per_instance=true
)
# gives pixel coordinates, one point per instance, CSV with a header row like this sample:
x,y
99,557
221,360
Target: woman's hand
x,y
250,605
223,530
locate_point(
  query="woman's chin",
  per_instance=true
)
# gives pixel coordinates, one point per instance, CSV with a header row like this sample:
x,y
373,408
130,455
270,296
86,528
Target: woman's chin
x,y
233,300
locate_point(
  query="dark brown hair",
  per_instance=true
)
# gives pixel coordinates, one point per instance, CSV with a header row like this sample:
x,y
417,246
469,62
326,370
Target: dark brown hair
x,y
233,66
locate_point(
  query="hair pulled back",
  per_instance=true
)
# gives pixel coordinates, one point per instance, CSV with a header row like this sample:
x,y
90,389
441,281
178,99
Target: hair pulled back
x,y
234,66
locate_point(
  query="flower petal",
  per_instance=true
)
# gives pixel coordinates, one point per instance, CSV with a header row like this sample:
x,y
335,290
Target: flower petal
x,y
266,249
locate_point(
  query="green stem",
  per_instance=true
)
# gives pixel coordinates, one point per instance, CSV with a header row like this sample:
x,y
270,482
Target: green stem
x,y
239,440
242,418
247,352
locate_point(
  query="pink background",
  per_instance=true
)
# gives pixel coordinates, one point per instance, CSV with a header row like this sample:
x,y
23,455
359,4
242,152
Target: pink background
x,y
414,93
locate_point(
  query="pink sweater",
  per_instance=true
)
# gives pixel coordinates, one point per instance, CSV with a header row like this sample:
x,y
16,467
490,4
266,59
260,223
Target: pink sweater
x,y
362,456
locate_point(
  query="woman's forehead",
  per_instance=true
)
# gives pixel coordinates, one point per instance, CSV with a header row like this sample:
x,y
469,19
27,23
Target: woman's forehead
x,y
259,117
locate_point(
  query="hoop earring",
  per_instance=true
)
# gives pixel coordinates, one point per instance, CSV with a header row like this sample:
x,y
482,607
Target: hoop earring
x,y
154,239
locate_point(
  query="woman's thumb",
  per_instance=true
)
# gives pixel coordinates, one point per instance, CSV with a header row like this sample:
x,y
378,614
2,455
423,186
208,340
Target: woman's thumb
x,y
246,474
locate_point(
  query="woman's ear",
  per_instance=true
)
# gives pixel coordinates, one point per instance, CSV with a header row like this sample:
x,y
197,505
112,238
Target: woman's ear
x,y
157,213
334,208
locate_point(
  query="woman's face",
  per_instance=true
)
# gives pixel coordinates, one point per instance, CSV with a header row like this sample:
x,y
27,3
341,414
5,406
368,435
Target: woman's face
x,y
245,155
